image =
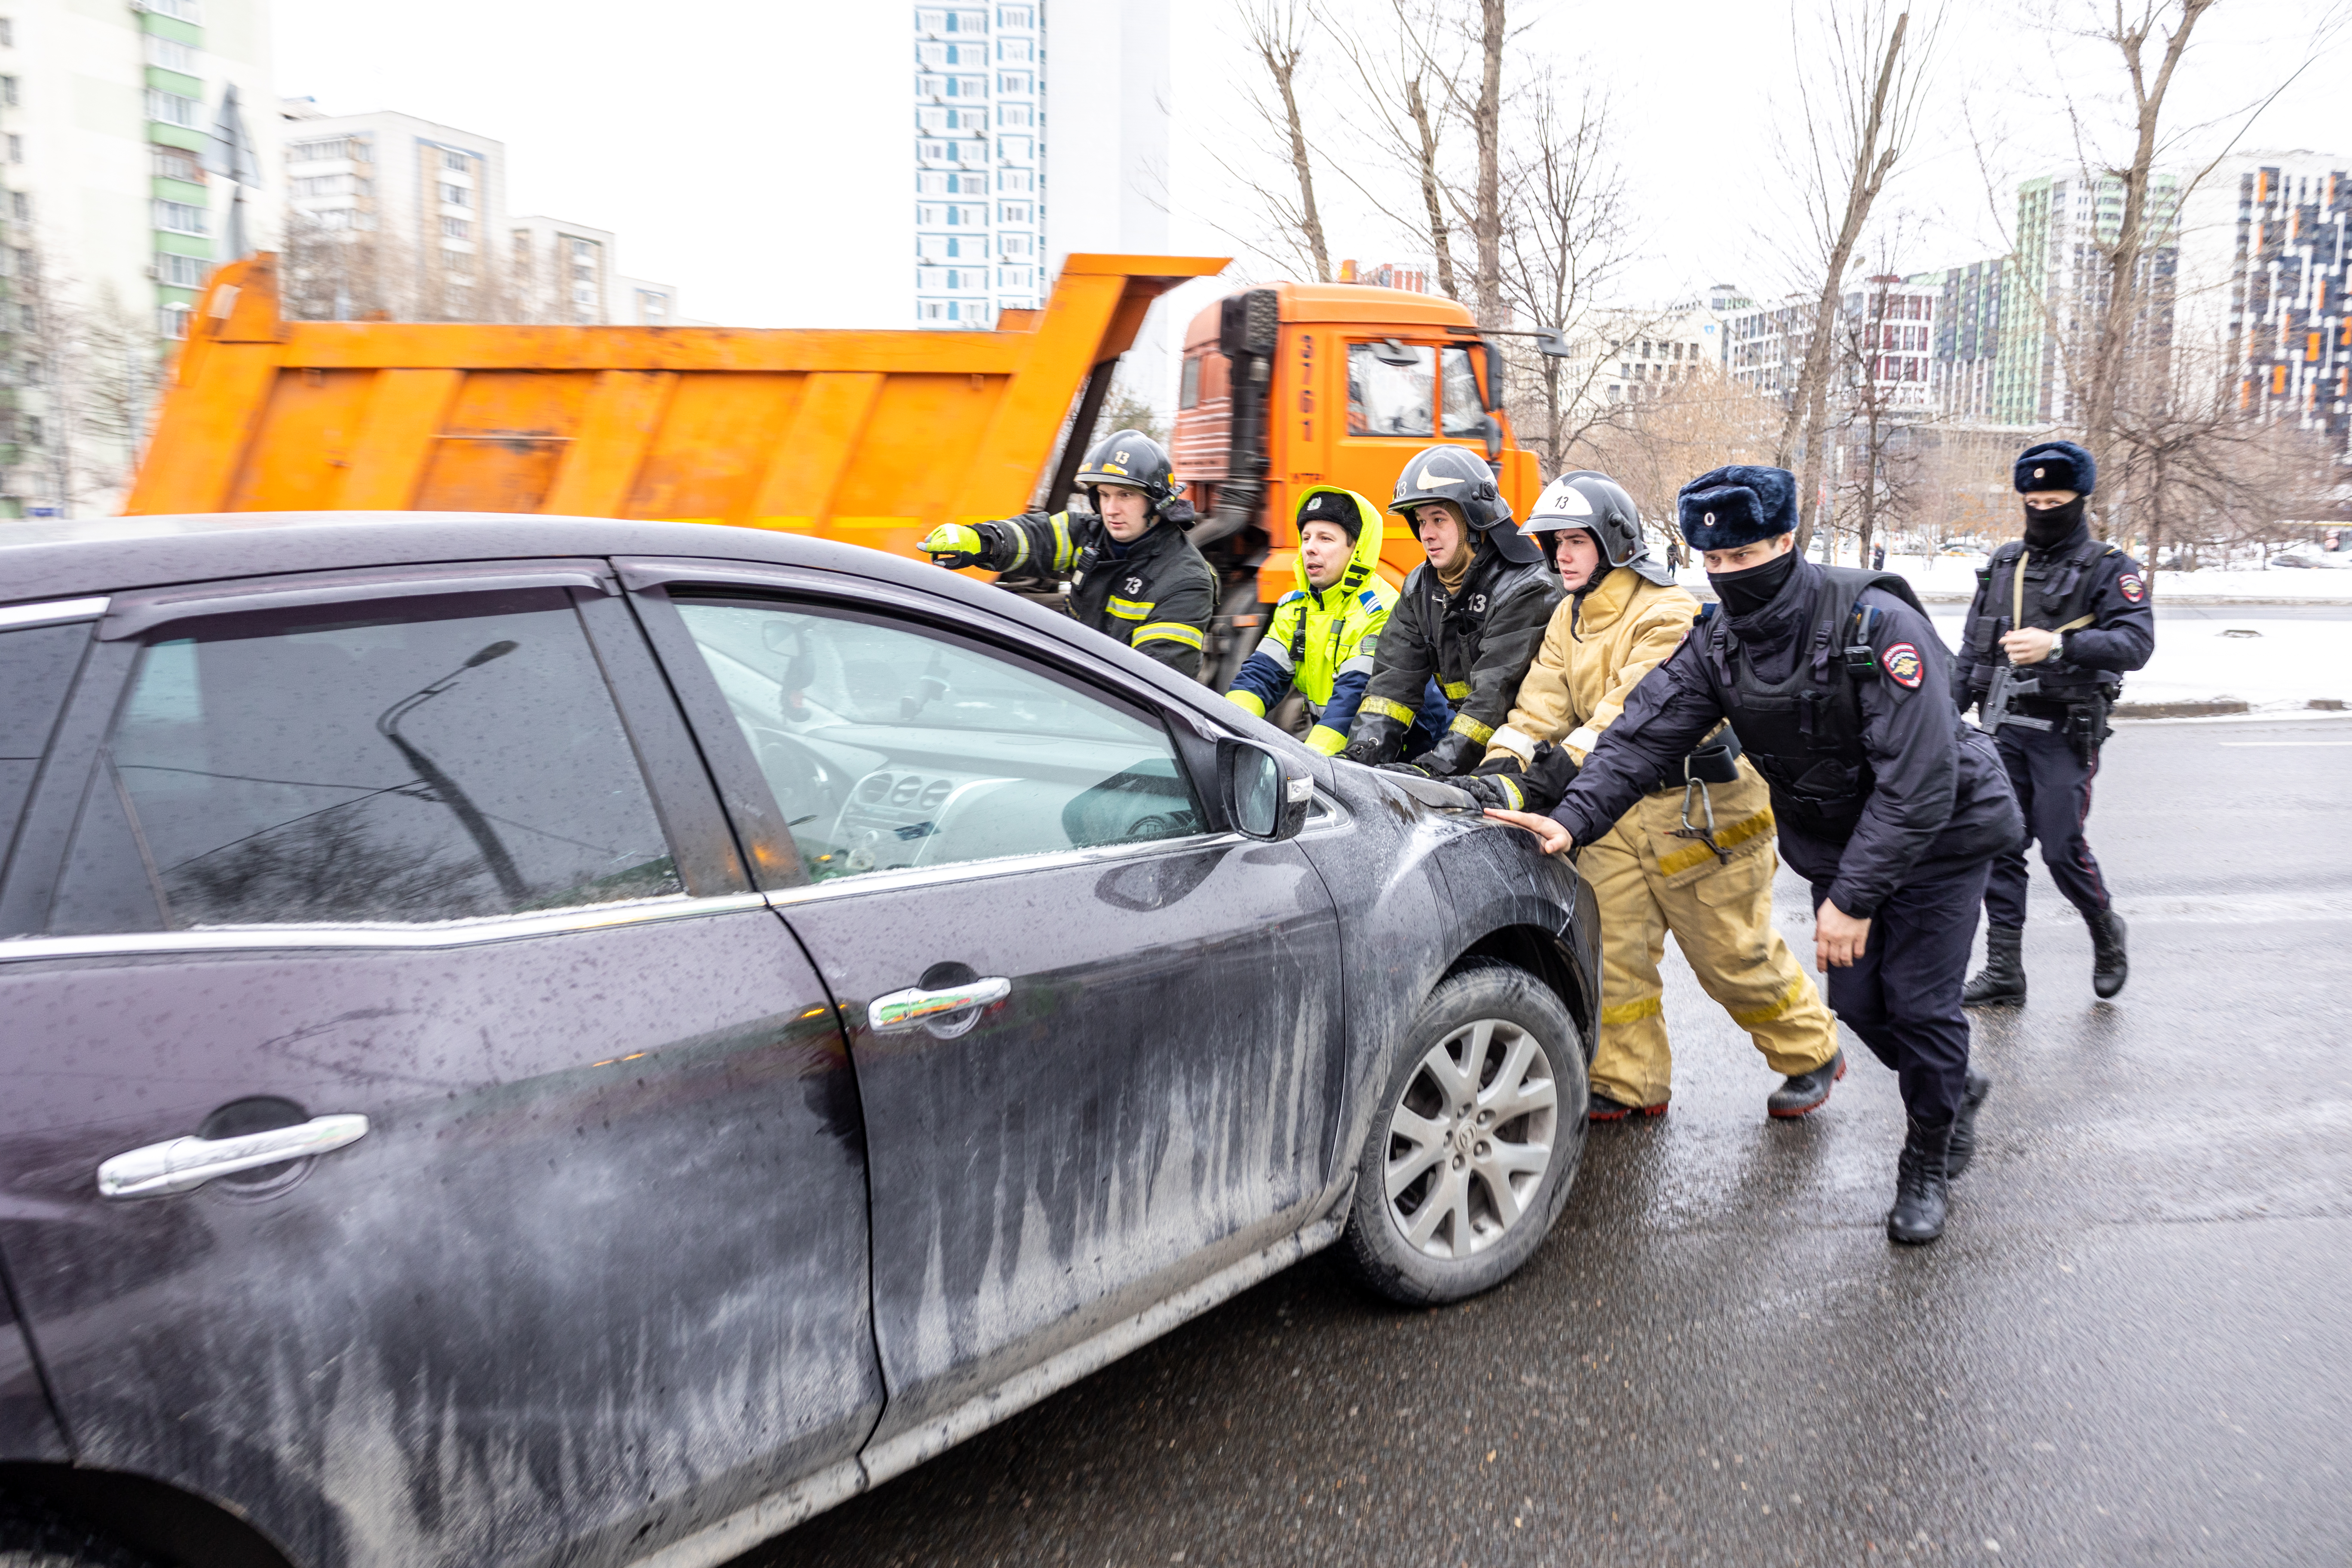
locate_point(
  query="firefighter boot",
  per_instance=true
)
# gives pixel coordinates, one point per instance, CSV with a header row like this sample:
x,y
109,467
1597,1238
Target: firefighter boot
x,y
2002,981
1964,1126
2109,966
1922,1190
1804,1091
1604,1109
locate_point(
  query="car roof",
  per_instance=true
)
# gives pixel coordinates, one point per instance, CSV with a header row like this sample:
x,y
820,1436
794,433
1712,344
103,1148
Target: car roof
x,y
46,560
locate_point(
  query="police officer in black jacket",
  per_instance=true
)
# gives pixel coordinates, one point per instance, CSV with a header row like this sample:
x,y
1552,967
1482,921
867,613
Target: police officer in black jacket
x,y
1469,620
1127,568
2058,619
1890,805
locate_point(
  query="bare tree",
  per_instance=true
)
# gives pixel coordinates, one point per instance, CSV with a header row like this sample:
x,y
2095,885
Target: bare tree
x,y
1874,76
1654,446
1277,33
1406,97
1565,241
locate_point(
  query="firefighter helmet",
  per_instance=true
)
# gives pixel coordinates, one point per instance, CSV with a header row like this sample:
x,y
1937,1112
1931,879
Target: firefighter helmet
x,y
1131,458
1460,477
1599,505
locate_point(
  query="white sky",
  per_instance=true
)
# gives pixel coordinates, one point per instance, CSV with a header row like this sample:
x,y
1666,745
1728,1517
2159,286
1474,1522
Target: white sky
x,y
755,152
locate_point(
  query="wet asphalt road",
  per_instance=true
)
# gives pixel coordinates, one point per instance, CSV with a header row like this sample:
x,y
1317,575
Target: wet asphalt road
x,y
2134,1344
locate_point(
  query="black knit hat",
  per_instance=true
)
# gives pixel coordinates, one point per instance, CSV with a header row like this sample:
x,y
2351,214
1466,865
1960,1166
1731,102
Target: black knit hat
x,y
1334,507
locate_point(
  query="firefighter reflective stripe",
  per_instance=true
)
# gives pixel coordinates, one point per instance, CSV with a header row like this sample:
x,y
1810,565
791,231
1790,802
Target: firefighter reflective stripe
x,y
1381,707
1634,1012
1329,742
1510,786
1731,838
1583,738
1062,551
1166,631
1465,725
1020,546
1127,609
1798,989
1249,702
1455,690
1516,743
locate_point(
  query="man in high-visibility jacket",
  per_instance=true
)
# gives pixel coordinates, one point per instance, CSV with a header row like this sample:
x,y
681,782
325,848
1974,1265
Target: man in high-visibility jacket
x,y
1127,568
1692,856
1323,633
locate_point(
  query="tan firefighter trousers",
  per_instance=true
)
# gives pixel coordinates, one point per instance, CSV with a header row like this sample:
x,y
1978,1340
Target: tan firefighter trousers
x,y
1650,883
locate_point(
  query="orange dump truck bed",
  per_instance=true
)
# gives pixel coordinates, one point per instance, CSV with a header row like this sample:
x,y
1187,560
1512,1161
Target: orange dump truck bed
x,y
871,438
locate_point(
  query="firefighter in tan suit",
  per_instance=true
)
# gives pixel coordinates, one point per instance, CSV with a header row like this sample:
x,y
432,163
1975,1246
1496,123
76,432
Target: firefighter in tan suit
x,y
1694,859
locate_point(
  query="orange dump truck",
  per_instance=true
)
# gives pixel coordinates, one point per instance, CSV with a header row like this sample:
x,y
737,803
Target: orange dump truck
x,y
872,437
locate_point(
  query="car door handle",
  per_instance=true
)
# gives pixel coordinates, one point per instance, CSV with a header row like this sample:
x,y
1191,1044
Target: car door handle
x,y
915,1007
184,1163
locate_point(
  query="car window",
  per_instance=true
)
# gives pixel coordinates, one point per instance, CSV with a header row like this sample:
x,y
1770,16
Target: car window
x,y
37,666
427,759
892,745
1466,413
1390,399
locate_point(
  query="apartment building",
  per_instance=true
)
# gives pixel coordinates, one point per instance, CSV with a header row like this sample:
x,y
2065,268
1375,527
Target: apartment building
x,y
1885,345
980,211
393,214
127,169
2265,261
1634,356
1967,326
2060,292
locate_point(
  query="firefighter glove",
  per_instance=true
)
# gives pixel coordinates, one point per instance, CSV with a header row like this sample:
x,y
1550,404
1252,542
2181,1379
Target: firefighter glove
x,y
1415,769
955,544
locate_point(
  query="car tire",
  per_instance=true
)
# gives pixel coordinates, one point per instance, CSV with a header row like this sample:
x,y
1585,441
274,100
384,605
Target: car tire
x,y
35,1535
1474,1140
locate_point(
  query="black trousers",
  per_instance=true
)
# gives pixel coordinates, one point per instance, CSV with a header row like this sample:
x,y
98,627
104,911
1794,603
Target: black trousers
x,y
2053,791
1902,996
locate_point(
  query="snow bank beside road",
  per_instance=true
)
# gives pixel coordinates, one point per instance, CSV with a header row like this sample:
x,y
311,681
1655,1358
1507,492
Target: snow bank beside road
x,y
1954,577
2285,665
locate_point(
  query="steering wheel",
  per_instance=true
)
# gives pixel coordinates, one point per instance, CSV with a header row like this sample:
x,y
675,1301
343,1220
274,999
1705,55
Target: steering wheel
x,y
807,787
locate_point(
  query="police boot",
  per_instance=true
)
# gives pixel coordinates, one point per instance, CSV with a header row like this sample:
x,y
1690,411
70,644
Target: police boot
x,y
1922,1189
1964,1126
2002,981
1804,1091
2109,966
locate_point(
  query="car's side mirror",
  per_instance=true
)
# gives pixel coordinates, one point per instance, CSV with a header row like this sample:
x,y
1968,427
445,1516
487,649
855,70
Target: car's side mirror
x,y
1264,797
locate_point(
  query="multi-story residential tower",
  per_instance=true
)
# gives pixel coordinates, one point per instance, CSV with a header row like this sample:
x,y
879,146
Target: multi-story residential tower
x,y
1887,344
129,164
1968,323
980,209
388,212
2265,261
2060,297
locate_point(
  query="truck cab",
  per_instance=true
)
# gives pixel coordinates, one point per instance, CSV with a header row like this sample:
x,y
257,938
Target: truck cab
x,y
1305,383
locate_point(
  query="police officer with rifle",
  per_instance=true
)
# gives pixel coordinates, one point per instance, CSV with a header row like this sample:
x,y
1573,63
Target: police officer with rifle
x,y
1885,800
2059,618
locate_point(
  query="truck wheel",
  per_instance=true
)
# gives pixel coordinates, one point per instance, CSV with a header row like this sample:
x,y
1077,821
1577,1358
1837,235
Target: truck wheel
x,y
1474,1144
33,1535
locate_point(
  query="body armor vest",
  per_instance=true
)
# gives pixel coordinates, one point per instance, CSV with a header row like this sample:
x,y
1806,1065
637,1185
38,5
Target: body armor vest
x,y
2057,593
1804,732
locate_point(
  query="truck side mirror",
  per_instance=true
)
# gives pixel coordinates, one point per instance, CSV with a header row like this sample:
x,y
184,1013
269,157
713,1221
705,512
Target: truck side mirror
x,y
1552,342
1494,432
1390,352
1263,796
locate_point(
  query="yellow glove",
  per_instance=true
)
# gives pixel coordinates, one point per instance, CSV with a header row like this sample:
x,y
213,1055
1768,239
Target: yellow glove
x,y
1248,702
955,544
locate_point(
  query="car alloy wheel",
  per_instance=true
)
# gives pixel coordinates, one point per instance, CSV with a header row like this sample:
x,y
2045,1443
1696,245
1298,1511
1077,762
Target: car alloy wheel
x,y
1470,1139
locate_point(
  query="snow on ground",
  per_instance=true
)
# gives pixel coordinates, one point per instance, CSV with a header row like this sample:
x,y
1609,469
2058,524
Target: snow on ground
x,y
1954,577
2285,665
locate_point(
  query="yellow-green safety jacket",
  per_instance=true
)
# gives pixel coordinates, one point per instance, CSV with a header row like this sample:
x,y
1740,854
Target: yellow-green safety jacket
x,y
1321,641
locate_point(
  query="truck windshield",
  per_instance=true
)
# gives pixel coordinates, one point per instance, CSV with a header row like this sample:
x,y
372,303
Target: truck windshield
x,y
1386,399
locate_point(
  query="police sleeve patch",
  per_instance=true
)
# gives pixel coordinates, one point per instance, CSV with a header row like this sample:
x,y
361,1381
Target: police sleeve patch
x,y
2130,586
1902,664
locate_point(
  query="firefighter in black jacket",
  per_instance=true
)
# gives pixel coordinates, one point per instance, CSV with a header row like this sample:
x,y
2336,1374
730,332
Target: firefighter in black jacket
x,y
1127,568
1471,617
2058,619
1884,800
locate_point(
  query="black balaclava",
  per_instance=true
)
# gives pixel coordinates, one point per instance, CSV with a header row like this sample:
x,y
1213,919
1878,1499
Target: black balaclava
x,y
1746,592
2047,528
